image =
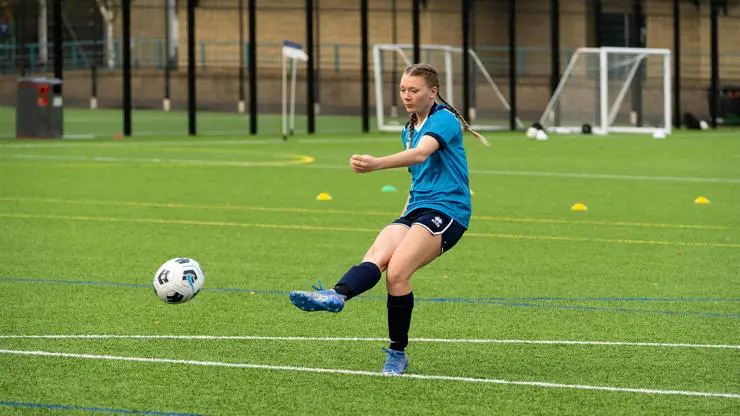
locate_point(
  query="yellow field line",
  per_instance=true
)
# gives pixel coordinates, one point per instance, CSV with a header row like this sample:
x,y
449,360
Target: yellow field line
x,y
349,212
184,222
351,229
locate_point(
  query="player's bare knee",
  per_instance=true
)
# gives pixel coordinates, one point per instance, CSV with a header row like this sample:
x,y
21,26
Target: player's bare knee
x,y
396,275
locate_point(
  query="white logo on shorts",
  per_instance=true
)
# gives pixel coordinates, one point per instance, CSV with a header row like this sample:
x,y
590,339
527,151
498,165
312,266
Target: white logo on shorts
x,y
437,221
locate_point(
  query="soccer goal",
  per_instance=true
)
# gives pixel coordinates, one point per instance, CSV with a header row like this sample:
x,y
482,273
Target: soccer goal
x,y
292,52
389,61
612,89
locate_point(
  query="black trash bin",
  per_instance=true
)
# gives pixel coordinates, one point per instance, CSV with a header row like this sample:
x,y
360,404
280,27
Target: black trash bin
x,y
728,104
39,109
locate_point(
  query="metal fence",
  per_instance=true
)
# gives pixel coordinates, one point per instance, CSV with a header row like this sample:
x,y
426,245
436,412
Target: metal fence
x,y
92,47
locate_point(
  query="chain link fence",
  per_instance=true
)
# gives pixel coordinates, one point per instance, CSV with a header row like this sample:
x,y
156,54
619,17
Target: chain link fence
x,y
92,54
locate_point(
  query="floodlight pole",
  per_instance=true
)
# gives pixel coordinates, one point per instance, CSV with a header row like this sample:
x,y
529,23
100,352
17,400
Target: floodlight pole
x,y
466,58
310,91
636,41
192,97
713,94
555,51
241,107
126,22
394,59
676,64
363,66
415,29
512,65
58,39
252,67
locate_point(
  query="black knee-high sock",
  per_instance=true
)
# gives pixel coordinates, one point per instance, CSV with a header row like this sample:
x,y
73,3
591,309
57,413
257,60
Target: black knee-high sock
x,y
399,320
358,279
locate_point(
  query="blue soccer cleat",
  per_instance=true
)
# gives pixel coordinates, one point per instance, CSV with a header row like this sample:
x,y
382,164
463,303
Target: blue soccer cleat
x,y
395,363
320,300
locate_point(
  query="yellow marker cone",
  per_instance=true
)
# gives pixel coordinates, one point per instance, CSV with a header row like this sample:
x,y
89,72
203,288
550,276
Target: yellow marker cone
x,y
579,207
701,200
323,197
471,192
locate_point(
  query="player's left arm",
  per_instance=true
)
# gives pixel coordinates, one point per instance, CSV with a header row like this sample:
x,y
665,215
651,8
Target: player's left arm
x,y
366,163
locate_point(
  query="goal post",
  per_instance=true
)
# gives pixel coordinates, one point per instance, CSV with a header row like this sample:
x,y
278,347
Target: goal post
x,y
613,89
389,61
292,52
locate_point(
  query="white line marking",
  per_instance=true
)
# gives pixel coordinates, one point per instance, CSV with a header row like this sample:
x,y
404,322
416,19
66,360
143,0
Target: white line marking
x,y
367,140
361,339
342,166
603,176
368,373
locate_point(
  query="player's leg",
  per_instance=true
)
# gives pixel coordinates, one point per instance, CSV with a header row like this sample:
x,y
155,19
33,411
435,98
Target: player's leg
x,y
358,279
366,275
434,234
417,249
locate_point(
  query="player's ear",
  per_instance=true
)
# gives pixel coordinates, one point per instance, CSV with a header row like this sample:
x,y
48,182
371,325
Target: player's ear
x,y
435,90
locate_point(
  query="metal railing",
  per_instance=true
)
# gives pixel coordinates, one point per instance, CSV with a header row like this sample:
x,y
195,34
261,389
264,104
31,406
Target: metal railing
x,y
333,57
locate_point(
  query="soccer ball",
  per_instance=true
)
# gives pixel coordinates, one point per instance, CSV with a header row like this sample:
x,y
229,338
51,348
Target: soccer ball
x,y
178,280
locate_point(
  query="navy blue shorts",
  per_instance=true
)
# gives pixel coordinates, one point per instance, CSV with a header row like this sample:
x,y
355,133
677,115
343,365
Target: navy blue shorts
x,y
437,223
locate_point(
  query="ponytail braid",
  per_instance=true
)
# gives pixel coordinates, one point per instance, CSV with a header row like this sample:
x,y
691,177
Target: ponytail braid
x,y
412,123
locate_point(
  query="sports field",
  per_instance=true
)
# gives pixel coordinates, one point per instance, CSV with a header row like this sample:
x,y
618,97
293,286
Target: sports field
x,y
630,307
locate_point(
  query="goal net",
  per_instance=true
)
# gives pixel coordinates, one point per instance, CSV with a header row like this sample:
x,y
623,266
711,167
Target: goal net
x,y
389,61
624,90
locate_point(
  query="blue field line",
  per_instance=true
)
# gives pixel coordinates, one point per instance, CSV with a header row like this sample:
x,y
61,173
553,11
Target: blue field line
x,y
514,302
92,409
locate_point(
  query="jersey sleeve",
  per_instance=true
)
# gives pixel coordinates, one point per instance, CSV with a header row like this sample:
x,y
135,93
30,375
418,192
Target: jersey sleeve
x,y
445,127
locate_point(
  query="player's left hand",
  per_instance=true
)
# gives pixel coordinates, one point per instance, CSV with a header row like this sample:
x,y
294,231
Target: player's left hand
x,y
363,163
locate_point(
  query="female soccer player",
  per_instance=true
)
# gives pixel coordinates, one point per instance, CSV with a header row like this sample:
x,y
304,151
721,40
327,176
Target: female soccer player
x,y
436,215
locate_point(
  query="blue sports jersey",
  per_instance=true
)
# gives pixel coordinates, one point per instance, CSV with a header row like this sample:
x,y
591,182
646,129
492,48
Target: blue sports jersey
x,y
441,181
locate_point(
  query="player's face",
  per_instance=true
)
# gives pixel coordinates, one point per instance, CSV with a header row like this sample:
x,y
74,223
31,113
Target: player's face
x,y
416,95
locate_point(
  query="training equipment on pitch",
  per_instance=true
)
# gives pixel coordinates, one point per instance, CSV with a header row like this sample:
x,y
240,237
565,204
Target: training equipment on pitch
x,y
623,90
178,280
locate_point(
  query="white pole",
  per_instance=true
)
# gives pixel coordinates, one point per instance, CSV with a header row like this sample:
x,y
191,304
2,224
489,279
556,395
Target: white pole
x,y
285,100
603,74
667,92
174,29
378,87
43,33
292,95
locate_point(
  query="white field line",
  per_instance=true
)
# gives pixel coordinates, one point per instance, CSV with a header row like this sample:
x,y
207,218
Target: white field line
x,y
368,373
360,339
575,175
342,166
603,176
